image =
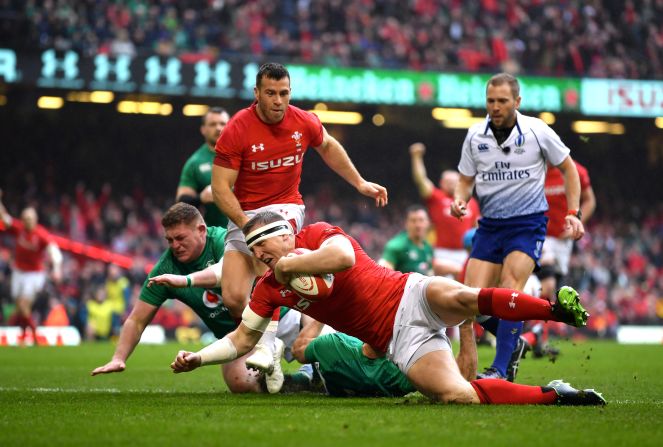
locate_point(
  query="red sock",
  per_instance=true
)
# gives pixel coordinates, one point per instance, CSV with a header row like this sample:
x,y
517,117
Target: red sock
x,y
498,391
529,337
513,305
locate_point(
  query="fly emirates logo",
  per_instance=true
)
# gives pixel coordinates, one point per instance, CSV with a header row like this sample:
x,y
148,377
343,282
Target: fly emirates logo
x,y
290,160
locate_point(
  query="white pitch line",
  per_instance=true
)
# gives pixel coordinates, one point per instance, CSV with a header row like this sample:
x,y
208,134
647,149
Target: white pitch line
x,y
95,390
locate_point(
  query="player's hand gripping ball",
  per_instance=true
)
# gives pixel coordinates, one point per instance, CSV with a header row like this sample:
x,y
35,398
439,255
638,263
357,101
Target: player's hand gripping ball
x,y
311,287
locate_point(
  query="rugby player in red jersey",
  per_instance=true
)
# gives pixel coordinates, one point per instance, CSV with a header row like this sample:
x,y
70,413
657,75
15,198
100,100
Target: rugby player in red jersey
x,y
258,167
29,275
450,255
558,244
402,315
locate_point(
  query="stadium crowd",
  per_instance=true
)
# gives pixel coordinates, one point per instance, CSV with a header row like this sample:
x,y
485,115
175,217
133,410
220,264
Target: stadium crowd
x,y
600,38
617,266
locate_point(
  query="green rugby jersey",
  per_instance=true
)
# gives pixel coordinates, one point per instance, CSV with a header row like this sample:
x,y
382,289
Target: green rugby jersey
x,y
347,372
408,257
207,303
197,174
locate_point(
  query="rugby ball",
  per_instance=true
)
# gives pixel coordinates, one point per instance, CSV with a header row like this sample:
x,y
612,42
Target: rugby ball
x,y
311,287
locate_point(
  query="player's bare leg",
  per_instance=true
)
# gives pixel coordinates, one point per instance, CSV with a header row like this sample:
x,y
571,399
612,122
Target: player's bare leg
x,y
236,282
436,375
239,272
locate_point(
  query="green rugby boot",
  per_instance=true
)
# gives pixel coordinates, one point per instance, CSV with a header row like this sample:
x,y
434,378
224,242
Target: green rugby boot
x,y
568,309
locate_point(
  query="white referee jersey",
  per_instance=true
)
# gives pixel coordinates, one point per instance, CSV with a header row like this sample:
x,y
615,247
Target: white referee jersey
x,y
509,177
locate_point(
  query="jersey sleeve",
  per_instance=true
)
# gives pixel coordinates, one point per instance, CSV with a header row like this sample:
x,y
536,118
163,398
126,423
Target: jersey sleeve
x,y
466,166
315,128
187,177
155,295
229,147
553,148
260,301
390,253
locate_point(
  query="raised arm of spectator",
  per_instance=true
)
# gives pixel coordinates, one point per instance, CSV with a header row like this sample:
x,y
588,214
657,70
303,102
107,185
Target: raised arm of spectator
x,y
572,187
335,156
207,278
419,175
223,180
4,215
141,315
462,195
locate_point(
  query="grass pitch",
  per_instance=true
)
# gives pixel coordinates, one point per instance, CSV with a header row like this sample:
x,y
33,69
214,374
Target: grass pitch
x,y
48,398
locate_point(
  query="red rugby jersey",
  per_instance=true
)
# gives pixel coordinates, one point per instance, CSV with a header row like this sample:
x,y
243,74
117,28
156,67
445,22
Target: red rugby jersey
x,y
556,197
268,156
30,246
449,230
363,301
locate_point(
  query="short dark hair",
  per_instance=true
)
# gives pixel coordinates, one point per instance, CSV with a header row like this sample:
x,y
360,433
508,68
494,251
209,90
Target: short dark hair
x,y
414,208
215,109
181,213
272,70
260,219
505,78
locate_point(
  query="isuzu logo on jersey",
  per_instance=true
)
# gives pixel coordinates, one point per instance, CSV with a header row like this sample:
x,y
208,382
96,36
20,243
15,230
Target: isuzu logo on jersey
x,y
290,160
211,299
259,147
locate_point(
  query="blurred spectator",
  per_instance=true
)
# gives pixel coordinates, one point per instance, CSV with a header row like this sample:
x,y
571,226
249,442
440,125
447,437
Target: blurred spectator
x,y
544,37
99,315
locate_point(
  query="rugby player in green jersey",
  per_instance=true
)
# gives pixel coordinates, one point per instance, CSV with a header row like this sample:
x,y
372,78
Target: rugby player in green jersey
x,y
193,246
409,251
195,180
350,367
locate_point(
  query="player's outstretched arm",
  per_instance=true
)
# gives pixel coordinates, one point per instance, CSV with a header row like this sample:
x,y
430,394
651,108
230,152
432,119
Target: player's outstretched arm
x,y
335,156
230,347
141,315
207,278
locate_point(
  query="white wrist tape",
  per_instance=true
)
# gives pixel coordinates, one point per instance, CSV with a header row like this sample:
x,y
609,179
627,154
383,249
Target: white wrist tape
x,y
254,321
218,270
221,351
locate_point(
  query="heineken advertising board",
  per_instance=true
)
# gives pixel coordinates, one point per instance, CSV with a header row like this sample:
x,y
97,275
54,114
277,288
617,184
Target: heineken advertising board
x,y
224,79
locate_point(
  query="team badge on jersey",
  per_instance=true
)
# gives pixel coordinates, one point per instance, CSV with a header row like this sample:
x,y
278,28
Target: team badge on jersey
x,y
257,147
211,299
520,142
297,136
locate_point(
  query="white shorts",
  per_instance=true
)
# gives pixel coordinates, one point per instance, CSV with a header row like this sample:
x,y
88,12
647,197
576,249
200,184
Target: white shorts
x,y
417,330
27,284
457,256
288,331
558,252
292,213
